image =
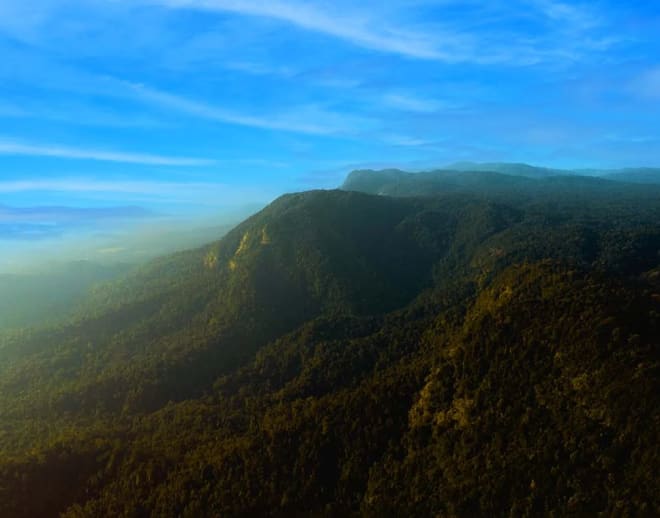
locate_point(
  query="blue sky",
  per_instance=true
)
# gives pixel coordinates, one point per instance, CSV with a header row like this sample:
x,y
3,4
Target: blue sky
x,y
180,106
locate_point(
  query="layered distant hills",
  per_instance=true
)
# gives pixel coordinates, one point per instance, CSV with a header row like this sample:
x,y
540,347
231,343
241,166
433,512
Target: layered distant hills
x,y
502,179
451,343
631,174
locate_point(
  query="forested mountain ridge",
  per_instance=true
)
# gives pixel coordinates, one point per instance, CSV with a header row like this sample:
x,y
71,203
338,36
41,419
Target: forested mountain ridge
x,y
478,345
509,183
649,175
639,175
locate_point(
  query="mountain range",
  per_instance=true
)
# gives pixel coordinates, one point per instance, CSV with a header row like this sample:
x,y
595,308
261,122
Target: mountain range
x,y
450,343
629,174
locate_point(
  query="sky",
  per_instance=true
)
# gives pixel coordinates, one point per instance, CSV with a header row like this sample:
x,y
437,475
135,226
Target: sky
x,y
113,111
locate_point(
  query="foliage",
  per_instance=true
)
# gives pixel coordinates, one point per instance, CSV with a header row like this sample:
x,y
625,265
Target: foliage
x,y
344,354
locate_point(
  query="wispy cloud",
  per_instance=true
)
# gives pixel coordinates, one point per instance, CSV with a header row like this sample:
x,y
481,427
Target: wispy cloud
x,y
149,192
352,28
260,69
415,104
296,120
11,147
79,115
56,215
87,185
321,77
42,223
28,232
647,84
405,141
448,39
572,15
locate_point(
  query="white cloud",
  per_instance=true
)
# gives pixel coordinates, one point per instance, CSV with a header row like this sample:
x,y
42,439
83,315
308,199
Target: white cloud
x,y
307,119
405,141
202,195
140,190
87,185
78,114
260,69
118,186
414,104
647,84
389,29
10,147
351,28
576,16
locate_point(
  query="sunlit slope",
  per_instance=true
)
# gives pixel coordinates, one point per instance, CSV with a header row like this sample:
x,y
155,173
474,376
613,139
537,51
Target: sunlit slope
x,y
542,400
537,397
169,329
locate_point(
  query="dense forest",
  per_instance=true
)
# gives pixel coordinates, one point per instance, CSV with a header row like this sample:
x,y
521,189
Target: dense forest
x,y
452,343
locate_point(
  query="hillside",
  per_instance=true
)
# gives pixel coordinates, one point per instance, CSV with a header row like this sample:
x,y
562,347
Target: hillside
x,y
458,345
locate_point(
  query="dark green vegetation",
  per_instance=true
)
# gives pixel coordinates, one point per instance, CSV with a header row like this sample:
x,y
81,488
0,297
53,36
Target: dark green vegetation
x,y
486,345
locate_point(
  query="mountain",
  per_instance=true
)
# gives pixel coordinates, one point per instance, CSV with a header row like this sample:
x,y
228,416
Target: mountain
x,y
175,325
446,344
645,175
471,172
568,189
513,169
